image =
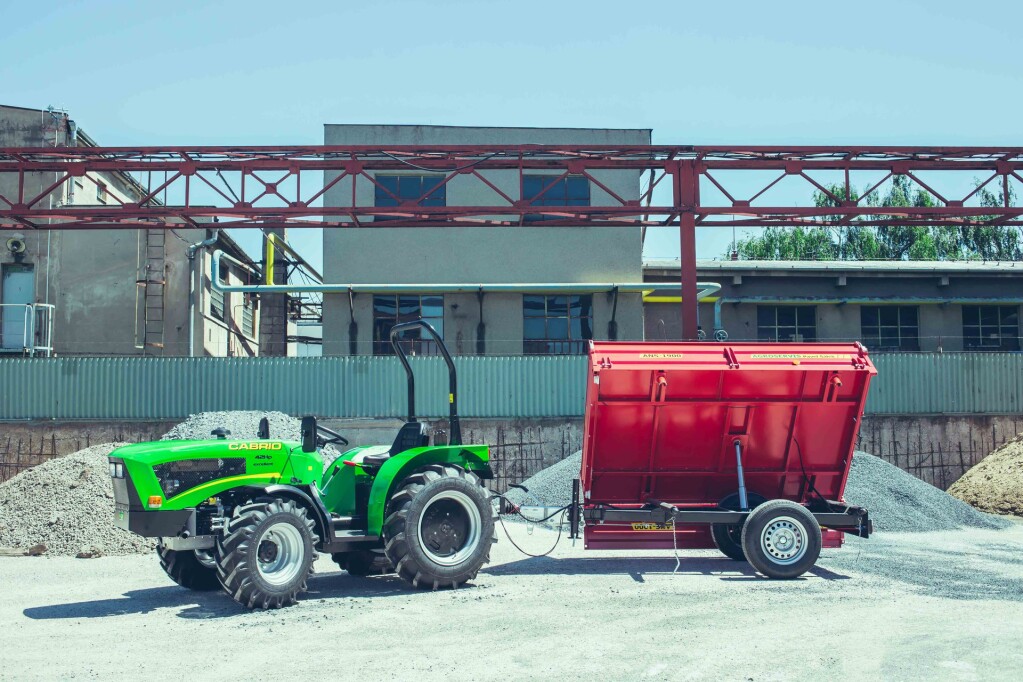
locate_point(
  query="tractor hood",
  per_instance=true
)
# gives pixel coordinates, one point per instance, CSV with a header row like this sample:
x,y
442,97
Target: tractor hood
x,y
169,450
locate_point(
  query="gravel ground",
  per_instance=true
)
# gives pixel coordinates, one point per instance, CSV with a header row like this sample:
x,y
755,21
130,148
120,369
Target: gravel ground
x,y
934,606
66,504
995,484
897,501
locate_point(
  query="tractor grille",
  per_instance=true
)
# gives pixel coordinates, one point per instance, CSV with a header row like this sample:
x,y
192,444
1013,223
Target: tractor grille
x,y
181,476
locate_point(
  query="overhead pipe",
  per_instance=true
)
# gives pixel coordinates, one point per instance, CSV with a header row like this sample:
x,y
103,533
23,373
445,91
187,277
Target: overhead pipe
x,y
704,289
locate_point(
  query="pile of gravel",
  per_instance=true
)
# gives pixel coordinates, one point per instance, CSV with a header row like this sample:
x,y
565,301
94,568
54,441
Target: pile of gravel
x,y
897,501
900,502
66,504
242,424
996,483
550,487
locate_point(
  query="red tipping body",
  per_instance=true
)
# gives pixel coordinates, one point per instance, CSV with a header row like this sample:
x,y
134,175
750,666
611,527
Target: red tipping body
x,y
662,421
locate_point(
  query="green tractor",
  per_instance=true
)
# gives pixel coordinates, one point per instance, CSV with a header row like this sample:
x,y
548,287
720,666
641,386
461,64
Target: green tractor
x,y
249,516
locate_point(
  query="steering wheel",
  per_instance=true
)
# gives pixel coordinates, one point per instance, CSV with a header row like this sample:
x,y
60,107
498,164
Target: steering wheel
x,y
334,436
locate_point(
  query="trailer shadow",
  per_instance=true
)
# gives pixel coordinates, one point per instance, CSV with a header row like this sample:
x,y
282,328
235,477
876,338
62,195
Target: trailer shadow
x,y
214,604
637,567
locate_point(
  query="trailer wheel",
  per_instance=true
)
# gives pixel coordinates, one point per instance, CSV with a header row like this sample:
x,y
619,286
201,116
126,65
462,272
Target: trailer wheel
x,y
728,536
781,539
267,553
362,562
188,568
439,527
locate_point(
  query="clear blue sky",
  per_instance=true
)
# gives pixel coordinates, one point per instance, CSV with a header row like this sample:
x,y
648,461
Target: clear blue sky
x,y
259,72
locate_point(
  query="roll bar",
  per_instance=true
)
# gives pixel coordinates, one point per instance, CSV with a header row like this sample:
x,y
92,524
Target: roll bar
x,y
456,429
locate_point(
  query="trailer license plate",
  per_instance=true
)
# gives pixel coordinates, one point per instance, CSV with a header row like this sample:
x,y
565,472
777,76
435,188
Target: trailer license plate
x,y
651,526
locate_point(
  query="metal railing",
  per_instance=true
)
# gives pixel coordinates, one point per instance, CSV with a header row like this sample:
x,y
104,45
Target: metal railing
x,y
30,333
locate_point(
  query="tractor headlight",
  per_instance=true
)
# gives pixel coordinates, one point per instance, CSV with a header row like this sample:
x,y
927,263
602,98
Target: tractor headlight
x,y
116,470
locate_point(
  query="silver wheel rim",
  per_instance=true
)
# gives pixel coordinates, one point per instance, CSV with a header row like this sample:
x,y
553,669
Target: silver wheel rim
x,y
205,557
467,507
280,553
784,540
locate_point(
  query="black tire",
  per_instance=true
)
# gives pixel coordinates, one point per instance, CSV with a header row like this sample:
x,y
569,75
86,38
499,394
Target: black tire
x,y
362,562
439,527
728,536
781,539
186,570
266,554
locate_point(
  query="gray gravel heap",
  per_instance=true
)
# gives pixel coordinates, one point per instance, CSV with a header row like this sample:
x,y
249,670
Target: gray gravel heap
x,y
897,501
900,502
66,504
242,424
550,487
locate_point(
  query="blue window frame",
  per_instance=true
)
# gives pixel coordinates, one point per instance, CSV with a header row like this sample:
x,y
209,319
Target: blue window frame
x,y
394,190
572,190
556,325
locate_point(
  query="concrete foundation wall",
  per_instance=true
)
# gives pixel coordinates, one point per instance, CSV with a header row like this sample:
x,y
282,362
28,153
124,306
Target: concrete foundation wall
x,y
937,449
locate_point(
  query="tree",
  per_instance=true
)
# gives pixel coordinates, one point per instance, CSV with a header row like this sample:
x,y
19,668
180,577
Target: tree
x,y
890,242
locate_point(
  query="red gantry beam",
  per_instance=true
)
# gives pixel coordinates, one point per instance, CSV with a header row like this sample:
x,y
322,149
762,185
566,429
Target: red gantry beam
x,y
272,187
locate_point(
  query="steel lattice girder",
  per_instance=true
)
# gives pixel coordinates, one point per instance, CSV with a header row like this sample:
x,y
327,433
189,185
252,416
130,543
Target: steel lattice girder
x,y
696,174
289,200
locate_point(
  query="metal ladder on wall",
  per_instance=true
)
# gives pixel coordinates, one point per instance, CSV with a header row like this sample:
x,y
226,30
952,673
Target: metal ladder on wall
x,y
149,297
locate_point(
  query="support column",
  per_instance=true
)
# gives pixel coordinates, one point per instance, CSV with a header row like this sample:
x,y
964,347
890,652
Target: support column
x,y
273,308
687,196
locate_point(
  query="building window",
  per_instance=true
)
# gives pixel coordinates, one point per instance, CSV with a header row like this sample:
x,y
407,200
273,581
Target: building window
x,y
991,327
389,310
101,192
394,190
787,323
216,303
572,190
249,317
556,325
890,327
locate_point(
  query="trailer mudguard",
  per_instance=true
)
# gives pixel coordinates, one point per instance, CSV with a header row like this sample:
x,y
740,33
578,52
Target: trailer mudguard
x,y
475,458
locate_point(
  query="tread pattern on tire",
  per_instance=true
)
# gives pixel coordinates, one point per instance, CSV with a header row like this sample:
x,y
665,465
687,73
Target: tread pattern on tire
x,y
235,574
396,545
751,540
186,570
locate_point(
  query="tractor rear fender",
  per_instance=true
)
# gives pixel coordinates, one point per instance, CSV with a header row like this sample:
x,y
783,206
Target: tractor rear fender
x,y
303,496
395,469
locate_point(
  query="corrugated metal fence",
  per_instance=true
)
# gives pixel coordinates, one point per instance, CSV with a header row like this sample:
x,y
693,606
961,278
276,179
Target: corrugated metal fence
x,y
511,387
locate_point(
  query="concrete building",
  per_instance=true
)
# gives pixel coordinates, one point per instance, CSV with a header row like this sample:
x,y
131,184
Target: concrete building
x,y
534,320
110,292
901,305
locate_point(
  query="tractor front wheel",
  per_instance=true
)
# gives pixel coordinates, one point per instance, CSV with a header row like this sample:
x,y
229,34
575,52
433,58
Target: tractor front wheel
x,y
266,553
439,527
192,569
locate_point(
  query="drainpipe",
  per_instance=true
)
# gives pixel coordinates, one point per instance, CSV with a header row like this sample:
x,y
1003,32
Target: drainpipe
x,y
192,249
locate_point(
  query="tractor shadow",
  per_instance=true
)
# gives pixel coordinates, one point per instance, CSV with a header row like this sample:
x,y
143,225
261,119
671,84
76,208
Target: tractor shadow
x,y
215,604
720,568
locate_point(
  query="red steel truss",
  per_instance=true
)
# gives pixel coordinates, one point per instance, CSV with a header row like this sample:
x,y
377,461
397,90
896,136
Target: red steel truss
x,y
270,187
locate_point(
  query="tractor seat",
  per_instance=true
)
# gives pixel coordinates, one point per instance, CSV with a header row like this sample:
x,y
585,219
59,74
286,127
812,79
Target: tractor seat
x,y
411,435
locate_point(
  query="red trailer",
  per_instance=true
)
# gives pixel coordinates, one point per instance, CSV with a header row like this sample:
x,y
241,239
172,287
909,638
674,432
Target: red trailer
x,y
742,446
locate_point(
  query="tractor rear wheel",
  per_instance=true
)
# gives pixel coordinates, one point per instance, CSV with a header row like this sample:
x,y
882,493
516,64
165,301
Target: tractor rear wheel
x,y
189,568
728,536
266,554
439,527
781,539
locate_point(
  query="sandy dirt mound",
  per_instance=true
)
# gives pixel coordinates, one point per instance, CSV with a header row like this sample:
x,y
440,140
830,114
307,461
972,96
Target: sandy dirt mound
x,y
996,483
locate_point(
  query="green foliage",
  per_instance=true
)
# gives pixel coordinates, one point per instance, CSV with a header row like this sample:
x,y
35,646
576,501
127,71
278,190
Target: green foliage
x,y
890,242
